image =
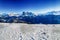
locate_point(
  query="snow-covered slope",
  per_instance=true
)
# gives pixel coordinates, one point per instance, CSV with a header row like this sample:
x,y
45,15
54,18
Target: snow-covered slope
x,y
21,31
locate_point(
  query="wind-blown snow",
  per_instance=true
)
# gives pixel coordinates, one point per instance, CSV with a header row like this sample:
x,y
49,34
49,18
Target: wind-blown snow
x,y
21,31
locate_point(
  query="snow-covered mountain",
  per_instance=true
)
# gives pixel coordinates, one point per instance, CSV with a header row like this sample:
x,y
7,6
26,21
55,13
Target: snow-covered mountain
x,y
29,17
30,14
53,13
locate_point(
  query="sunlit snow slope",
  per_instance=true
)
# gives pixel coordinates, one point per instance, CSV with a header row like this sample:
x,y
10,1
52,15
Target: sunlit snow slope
x,y
21,31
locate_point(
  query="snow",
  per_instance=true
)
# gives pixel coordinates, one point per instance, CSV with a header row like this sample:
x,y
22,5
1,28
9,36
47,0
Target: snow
x,y
22,31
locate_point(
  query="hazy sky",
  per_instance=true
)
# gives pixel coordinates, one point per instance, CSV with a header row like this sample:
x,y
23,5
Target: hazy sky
x,y
35,6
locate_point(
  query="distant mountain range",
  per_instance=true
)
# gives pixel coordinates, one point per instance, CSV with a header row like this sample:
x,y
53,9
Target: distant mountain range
x,y
30,18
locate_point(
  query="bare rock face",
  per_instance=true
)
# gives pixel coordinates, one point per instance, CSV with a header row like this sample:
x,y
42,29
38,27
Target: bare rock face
x,y
18,31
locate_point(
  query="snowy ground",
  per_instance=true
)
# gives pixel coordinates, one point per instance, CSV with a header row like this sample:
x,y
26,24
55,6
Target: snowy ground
x,y
21,31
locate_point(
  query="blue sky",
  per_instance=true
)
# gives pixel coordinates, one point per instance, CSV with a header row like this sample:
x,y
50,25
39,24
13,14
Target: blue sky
x,y
35,6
